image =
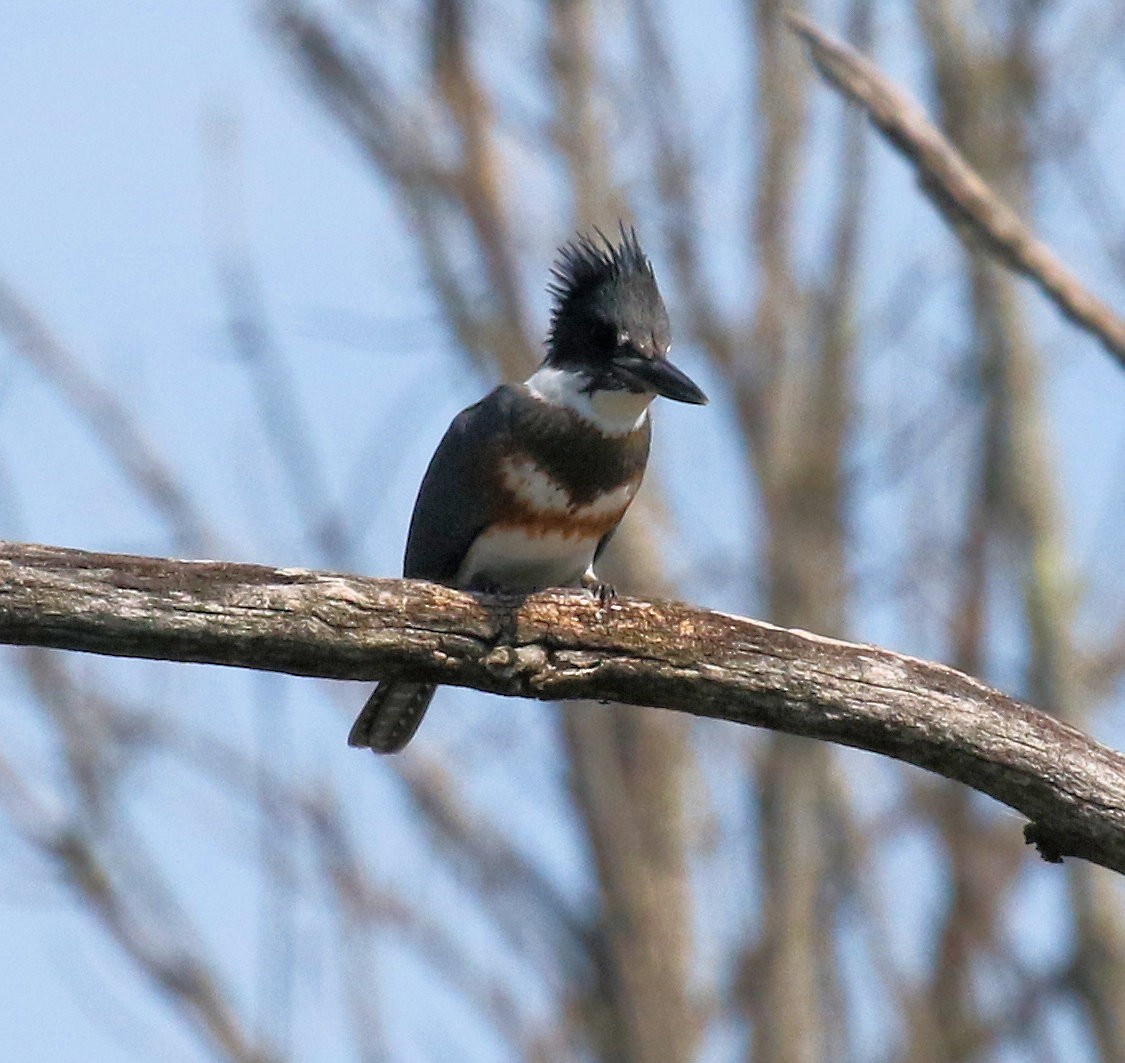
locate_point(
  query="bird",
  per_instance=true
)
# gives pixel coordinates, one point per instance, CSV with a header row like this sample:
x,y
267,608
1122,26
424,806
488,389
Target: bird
x,y
528,485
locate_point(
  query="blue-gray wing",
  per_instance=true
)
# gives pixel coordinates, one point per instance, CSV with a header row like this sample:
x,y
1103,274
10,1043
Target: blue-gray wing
x,y
457,499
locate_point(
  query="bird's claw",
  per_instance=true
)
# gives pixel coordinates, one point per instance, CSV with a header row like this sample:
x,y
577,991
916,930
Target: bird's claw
x,y
599,589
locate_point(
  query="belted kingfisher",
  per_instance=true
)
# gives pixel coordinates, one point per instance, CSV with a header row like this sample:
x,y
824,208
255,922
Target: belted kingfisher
x,y
528,486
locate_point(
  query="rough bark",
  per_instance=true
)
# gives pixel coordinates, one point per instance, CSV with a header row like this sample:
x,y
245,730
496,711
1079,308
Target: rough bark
x,y
558,645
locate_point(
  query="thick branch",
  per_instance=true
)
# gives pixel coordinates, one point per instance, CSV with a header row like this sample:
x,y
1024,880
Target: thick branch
x,y
565,645
959,192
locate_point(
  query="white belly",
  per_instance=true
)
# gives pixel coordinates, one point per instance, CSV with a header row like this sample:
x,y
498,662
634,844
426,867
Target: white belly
x,y
514,560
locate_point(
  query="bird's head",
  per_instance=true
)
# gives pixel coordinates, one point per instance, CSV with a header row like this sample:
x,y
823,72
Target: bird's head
x,y
609,324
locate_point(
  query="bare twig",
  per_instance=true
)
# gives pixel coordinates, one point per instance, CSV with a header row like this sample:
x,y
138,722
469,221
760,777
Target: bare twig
x,y
102,412
527,908
562,645
365,903
966,201
406,142
284,423
158,939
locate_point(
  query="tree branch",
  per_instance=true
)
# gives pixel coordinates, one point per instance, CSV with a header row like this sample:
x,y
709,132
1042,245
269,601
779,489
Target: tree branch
x,y
962,196
561,644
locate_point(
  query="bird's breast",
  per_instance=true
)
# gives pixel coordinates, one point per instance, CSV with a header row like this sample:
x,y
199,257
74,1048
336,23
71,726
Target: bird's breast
x,y
533,495
540,536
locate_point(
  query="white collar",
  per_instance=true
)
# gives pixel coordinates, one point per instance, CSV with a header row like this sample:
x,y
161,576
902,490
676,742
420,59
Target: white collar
x,y
615,413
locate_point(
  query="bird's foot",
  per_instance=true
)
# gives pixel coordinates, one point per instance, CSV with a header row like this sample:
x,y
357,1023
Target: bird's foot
x,y
599,589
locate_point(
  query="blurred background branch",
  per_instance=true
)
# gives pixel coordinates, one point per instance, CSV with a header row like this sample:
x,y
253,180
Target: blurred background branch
x,y
959,192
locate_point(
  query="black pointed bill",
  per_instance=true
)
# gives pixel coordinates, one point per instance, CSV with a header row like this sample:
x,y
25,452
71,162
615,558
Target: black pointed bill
x,y
658,375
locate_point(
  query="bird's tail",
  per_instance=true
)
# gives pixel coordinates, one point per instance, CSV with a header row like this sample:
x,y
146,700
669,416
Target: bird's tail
x,y
391,716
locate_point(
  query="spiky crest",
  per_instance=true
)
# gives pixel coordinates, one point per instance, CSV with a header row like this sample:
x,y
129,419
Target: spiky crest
x,y
585,264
